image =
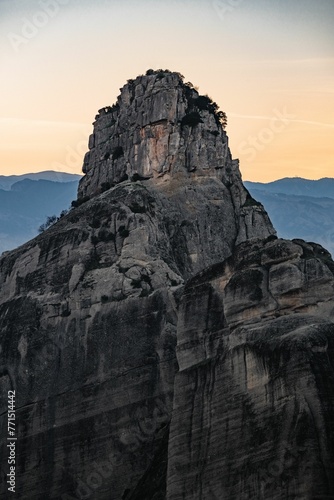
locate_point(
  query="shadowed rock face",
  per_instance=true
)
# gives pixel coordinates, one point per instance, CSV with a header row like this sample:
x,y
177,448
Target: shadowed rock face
x,y
141,337
254,395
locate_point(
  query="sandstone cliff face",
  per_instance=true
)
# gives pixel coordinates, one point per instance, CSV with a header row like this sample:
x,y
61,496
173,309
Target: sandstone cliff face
x,y
140,336
151,133
143,133
254,395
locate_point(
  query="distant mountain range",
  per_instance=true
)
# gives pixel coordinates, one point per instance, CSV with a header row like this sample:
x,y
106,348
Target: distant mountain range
x,y
25,203
7,181
296,186
299,208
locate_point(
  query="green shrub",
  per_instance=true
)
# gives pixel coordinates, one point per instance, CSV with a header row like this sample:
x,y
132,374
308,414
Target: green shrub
x,y
222,118
191,119
50,220
135,177
80,201
95,223
204,102
117,153
162,72
136,283
115,107
124,177
250,202
123,232
105,186
106,236
93,262
137,209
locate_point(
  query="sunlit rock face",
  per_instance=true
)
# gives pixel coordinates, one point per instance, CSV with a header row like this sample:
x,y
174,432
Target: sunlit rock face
x,y
145,133
163,133
158,335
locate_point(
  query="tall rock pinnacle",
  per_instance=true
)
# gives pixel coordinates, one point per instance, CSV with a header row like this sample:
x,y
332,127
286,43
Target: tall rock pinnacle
x,y
162,343
159,128
162,130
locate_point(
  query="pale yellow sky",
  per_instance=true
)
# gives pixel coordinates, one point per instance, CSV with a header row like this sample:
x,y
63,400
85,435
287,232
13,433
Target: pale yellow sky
x,y
271,68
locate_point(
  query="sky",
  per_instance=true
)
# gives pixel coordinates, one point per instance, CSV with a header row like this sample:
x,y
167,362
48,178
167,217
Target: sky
x,y
269,64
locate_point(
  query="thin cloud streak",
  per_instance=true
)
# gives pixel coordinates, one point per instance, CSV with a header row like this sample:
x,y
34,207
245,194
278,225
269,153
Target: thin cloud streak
x,y
263,117
320,60
300,91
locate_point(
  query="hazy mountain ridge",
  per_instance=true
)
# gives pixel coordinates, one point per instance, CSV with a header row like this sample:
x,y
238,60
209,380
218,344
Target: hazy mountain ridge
x,y
297,186
25,206
299,208
7,181
309,217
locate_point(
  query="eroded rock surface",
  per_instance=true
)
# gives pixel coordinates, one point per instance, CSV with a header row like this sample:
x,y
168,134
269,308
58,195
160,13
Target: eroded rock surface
x,y
161,326
254,395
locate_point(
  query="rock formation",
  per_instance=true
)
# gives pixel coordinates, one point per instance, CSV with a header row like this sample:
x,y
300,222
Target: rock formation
x,y
254,393
162,342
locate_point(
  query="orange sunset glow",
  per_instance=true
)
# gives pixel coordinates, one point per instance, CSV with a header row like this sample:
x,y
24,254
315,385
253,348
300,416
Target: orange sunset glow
x,y
269,67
